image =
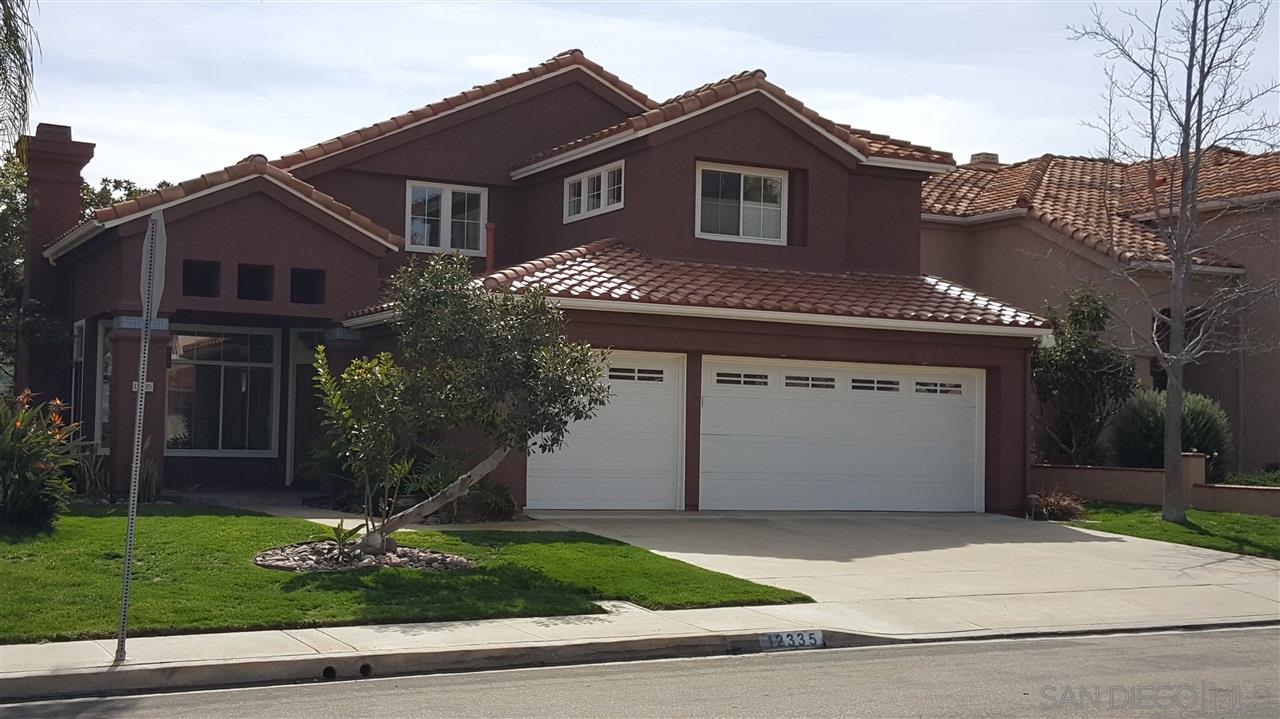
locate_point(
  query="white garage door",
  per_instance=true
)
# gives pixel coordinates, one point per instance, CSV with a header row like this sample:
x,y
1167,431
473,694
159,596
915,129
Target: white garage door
x,y
627,457
805,436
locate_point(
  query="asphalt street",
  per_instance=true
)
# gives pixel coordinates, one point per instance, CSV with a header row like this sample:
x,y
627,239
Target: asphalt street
x,y
1226,673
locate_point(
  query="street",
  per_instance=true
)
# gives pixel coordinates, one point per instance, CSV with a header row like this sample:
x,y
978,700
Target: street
x,y
1225,673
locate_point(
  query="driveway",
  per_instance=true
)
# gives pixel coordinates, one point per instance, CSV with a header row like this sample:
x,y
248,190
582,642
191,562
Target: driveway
x,y
951,574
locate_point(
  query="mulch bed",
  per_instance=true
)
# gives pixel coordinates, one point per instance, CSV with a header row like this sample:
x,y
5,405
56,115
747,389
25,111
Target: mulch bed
x,y
324,557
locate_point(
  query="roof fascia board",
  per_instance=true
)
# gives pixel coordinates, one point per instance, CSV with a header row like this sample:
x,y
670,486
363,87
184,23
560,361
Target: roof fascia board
x,y
468,105
974,219
1164,267
624,136
330,213
1211,205
798,318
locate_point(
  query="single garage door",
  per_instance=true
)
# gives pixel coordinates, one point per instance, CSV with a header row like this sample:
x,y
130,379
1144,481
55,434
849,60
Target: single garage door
x,y
805,436
627,457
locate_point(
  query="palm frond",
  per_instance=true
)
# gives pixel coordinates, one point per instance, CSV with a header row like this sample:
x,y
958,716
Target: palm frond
x,y
18,47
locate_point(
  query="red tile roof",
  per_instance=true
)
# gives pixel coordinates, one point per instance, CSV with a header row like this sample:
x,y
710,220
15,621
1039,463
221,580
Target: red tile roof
x,y
610,270
565,59
1091,200
865,143
254,165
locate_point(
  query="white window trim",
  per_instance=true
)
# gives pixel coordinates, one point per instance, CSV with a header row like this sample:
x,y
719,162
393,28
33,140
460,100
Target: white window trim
x,y
746,170
275,393
603,172
446,224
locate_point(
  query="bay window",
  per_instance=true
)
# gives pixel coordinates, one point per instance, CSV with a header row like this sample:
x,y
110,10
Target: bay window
x,y
741,204
221,391
445,218
594,192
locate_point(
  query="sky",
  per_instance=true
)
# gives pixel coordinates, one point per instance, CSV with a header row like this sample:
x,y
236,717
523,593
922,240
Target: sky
x,y
171,90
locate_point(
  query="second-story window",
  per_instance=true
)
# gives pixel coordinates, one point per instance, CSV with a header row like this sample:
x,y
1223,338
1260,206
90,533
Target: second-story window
x,y
742,204
593,192
445,218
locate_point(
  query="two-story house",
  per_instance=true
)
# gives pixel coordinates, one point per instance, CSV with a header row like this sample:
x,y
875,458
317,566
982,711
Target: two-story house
x,y
754,267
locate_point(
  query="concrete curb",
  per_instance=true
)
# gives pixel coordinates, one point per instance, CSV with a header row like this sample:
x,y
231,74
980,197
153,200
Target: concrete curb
x,y
125,679
184,676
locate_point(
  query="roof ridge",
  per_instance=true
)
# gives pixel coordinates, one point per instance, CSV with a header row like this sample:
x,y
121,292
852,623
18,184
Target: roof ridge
x,y
565,59
1032,186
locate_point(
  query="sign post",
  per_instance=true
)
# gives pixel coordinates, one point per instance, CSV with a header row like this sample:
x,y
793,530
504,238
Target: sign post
x,y
151,289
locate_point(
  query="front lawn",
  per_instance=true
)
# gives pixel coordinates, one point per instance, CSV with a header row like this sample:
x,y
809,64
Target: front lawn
x,y
194,572
1241,533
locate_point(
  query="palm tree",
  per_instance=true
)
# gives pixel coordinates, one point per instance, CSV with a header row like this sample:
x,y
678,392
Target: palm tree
x,y
17,57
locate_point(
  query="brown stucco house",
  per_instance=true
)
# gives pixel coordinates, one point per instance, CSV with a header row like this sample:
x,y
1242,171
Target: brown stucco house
x,y
1028,231
755,268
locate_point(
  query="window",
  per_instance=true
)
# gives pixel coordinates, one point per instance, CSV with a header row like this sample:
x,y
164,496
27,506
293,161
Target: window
x,y
77,371
221,392
306,287
636,374
805,381
742,204
102,407
254,282
200,278
859,384
748,379
593,193
442,218
938,388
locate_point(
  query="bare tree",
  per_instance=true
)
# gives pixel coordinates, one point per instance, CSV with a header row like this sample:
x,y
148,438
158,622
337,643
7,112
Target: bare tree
x,y
1177,94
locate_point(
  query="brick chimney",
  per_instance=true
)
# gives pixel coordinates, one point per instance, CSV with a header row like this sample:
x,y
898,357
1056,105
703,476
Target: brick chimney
x,y
986,161
53,162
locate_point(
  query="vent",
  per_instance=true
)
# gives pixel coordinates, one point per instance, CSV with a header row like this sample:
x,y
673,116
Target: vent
x,y
939,388
636,374
874,385
745,379
809,381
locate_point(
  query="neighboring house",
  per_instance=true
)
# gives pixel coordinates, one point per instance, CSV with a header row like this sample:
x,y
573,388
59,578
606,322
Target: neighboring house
x,y
1028,231
755,267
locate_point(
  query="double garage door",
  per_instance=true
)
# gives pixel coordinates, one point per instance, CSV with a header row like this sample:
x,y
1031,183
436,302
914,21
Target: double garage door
x,y
775,435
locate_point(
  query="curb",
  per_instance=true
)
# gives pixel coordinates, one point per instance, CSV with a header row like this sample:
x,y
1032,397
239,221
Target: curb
x,y
32,686
338,666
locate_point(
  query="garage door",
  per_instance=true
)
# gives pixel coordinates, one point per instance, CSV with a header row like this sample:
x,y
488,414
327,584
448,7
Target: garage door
x,y
791,435
627,457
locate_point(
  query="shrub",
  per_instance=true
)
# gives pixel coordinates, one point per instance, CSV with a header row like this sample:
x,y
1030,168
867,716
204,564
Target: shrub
x,y
37,455
1059,506
1256,479
1138,432
89,474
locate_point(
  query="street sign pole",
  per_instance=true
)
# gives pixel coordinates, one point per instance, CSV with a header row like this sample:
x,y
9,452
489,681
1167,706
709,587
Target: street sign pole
x,y
151,289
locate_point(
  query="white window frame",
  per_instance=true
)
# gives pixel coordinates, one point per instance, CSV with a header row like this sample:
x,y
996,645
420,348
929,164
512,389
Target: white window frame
x,y
603,172
446,217
782,175
275,392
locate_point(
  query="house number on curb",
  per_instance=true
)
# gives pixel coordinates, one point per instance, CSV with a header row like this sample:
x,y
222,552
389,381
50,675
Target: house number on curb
x,y
776,641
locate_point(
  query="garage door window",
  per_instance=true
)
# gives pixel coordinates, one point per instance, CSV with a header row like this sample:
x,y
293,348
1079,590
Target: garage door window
x,y
939,388
860,384
636,374
744,379
804,381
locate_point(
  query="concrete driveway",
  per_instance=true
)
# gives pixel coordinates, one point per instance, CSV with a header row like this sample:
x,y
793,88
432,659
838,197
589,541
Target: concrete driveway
x,y
951,574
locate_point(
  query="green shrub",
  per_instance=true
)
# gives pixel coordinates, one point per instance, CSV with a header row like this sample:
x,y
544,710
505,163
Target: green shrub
x,y
37,454
1256,479
1138,432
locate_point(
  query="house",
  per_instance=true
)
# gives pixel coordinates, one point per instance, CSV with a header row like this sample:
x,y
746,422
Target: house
x,y
755,267
1027,231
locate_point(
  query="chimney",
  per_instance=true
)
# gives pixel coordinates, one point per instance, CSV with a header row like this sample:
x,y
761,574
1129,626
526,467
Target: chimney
x,y
985,161
53,161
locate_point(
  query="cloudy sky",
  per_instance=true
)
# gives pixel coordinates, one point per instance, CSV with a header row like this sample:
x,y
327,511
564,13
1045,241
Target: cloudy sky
x,y
172,90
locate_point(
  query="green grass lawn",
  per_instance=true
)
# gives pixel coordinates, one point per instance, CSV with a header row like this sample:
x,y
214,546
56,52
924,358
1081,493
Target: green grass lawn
x,y
1241,533
194,572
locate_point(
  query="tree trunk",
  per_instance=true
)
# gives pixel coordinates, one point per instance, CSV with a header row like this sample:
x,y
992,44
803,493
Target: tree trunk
x,y
375,542
1175,494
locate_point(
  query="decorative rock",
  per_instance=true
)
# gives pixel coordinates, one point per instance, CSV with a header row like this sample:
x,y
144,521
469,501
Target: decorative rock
x,y
325,557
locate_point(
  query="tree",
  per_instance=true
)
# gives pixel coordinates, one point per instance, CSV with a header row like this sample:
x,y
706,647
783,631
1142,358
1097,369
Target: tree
x,y
481,373
1081,379
17,57
30,321
1180,96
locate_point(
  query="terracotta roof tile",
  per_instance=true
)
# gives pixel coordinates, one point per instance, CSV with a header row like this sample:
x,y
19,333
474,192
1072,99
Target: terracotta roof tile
x,y
865,143
254,165
565,59
1092,200
610,270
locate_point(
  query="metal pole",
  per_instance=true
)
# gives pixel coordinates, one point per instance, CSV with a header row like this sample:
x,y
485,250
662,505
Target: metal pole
x,y
149,302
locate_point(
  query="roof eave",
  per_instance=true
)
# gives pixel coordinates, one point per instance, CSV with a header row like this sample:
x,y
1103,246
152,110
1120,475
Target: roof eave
x,y
1012,213
81,234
